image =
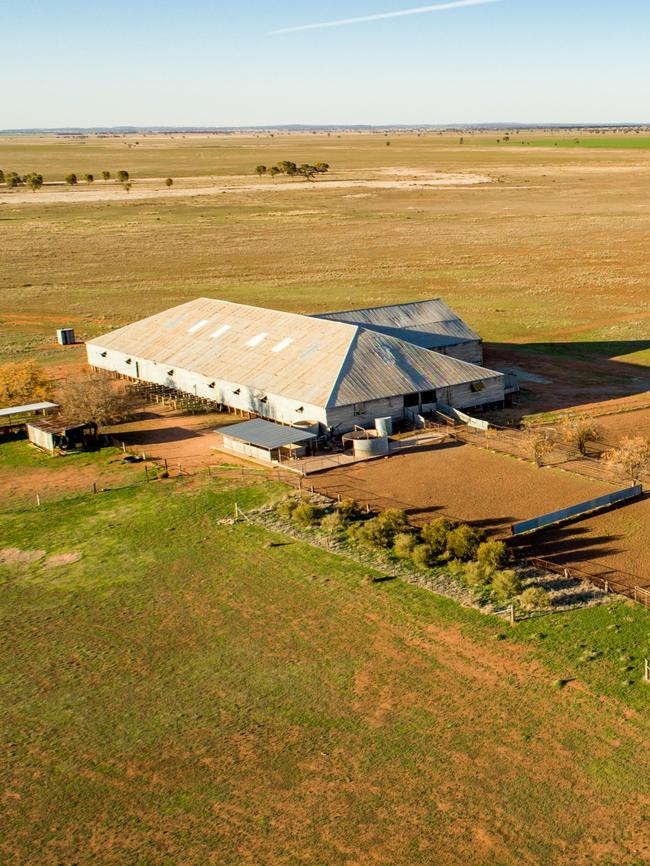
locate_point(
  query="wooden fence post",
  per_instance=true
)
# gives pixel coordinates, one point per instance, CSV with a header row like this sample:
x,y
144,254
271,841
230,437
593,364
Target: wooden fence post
x,y
146,472
38,499
94,487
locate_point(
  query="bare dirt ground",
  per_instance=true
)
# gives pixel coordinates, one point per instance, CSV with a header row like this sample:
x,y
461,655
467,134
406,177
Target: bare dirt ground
x,y
552,383
460,481
154,188
181,439
493,491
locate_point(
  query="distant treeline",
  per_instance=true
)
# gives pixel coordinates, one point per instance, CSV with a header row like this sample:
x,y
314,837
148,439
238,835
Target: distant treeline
x,y
293,170
34,180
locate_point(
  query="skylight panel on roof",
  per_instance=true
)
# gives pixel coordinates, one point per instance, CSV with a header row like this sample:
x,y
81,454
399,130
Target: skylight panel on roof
x,y
220,331
255,341
282,344
198,326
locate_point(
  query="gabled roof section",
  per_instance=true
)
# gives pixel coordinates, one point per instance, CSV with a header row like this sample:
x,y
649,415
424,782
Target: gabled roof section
x,y
381,366
305,358
431,324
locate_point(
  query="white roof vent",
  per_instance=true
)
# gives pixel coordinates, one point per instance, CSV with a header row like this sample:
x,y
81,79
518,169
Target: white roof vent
x,y
255,341
220,331
198,326
282,344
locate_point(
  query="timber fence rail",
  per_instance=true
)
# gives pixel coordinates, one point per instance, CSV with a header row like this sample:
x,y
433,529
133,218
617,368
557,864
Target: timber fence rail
x,y
514,442
609,580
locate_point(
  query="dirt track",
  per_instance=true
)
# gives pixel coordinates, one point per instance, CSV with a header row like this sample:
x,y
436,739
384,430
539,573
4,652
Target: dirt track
x,y
154,188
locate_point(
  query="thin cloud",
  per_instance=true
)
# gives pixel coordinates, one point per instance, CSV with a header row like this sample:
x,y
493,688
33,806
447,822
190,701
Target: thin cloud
x,y
420,10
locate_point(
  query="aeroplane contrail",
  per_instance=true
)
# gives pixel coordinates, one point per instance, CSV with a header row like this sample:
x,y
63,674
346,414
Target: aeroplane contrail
x,y
439,7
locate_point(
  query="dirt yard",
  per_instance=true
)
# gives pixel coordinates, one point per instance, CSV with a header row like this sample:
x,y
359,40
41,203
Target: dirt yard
x,y
164,434
493,491
460,481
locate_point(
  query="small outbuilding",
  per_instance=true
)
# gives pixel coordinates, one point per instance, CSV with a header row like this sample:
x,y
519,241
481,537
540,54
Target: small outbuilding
x,y
14,418
59,435
266,442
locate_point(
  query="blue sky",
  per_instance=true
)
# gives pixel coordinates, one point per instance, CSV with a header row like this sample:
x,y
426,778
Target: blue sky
x,y
212,63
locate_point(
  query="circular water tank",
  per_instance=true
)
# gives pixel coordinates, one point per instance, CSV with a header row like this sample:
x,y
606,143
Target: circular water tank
x,y
384,426
370,446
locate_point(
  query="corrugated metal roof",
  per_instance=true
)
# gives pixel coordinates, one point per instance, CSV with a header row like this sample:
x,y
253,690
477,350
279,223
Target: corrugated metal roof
x,y
29,407
265,434
309,359
430,324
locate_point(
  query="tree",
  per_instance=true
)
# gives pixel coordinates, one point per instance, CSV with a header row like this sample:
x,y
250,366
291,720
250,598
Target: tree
x,y
94,397
71,179
122,176
260,169
578,431
632,457
308,171
322,167
541,441
127,186
169,181
106,175
12,180
23,382
274,170
2,176
89,178
34,181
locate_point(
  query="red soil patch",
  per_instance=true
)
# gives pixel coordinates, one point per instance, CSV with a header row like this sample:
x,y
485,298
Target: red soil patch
x,y
461,481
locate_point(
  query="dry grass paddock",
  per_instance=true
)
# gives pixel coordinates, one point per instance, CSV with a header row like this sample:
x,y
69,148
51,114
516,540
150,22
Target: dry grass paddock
x,y
548,256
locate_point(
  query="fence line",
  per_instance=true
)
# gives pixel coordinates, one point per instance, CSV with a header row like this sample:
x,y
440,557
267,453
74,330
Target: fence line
x,y
607,580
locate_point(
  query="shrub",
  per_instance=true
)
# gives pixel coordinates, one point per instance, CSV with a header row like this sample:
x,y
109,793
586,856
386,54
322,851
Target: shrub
x,y
477,574
423,556
534,598
286,508
394,519
333,524
435,534
493,554
463,542
506,585
373,533
306,514
404,545
349,509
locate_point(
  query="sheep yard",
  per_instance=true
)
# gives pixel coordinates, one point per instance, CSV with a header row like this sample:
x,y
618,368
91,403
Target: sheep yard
x,y
163,674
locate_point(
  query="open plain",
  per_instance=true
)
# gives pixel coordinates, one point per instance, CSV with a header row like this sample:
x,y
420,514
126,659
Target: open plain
x,y
180,688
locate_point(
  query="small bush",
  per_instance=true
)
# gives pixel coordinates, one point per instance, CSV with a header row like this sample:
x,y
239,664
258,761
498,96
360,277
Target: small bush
x,y
534,598
463,542
506,585
306,514
423,556
333,524
493,554
435,534
404,545
373,533
349,509
286,508
394,519
476,574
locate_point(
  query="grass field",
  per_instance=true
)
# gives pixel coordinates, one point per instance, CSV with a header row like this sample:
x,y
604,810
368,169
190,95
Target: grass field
x,y
176,703
553,250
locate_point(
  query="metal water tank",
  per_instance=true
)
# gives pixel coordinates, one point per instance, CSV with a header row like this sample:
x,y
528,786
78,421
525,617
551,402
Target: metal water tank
x,y
370,446
65,336
384,426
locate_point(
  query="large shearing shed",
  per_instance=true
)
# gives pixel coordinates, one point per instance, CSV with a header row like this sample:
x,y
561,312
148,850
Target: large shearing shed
x,y
430,324
291,368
